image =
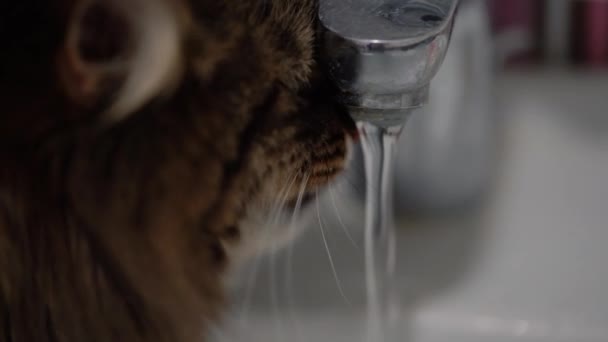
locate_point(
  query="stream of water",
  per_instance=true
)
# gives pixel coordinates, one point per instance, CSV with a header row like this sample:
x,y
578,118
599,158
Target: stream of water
x,y
378,145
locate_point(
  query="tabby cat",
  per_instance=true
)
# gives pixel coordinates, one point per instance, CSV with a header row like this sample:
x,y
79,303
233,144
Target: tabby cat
x,y
143,145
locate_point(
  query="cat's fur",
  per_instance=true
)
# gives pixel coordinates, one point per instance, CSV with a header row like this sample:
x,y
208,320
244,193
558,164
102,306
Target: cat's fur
x,y
142,145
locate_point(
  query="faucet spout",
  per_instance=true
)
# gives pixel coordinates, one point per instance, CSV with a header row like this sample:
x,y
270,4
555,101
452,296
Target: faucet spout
x,y
382,54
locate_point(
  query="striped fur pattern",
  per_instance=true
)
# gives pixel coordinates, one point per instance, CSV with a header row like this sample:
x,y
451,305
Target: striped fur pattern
x,y
142,145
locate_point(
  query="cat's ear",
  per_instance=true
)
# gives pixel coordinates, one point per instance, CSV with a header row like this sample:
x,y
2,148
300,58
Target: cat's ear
x,y
127,50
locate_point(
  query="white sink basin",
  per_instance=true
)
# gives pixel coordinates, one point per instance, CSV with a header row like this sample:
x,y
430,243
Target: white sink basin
x,y
532,265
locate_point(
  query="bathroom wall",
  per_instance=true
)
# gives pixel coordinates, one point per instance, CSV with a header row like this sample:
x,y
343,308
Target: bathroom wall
x,y
558,32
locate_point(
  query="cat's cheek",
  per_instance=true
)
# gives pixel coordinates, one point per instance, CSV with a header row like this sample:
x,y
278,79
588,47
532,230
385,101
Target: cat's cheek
x,y
261,238
262,235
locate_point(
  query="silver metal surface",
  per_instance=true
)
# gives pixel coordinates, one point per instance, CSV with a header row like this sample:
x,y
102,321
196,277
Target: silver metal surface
x,y
448,155
382,54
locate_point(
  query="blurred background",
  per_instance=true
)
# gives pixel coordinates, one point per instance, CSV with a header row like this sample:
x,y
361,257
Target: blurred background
x,y
501,199
558,32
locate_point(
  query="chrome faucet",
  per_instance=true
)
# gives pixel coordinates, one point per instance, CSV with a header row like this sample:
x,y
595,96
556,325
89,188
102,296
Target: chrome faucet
x,y
382,54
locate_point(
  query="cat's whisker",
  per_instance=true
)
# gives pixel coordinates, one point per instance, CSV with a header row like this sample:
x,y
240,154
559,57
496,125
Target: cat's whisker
x,y
274,298
281,200
331,259
354,180
251,281
273,217
289,259
274,295
340,221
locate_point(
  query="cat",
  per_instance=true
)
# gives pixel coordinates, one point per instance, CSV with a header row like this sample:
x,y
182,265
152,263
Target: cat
x,y
143,146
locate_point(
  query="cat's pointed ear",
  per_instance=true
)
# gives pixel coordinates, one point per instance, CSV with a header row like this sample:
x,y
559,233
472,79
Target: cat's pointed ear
x,y
122,51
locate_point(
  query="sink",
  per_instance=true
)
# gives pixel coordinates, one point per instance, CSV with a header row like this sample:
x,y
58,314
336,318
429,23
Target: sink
x,y
527,265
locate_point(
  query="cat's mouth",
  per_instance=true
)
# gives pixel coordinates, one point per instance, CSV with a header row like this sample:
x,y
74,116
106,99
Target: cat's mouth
x,y
322,176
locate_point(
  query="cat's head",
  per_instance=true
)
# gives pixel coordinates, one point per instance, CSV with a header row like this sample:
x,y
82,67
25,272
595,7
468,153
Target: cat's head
x,y
169,116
